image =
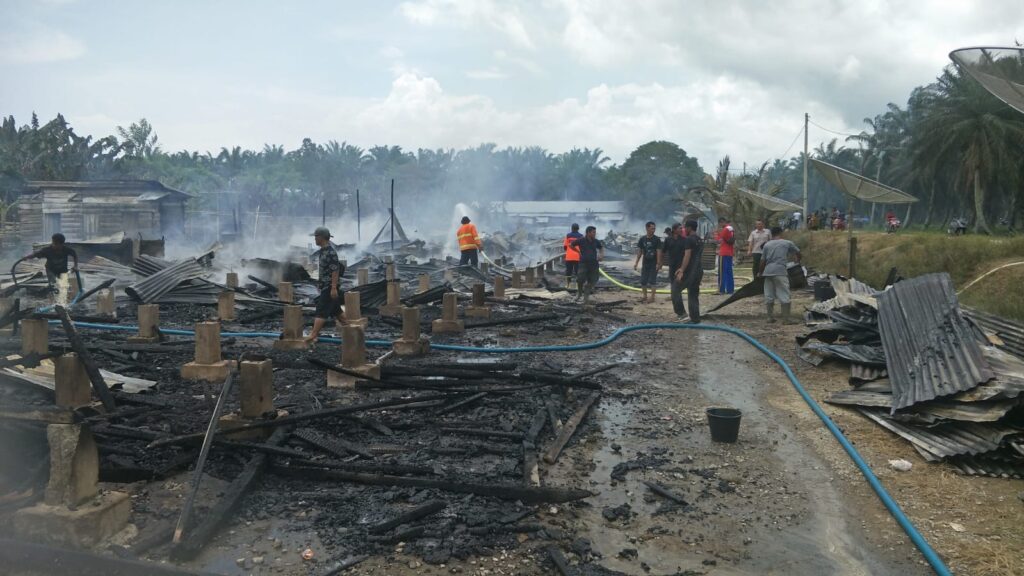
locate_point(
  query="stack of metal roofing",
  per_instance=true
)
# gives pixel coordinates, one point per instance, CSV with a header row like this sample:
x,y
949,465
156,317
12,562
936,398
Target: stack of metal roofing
x,y
171,282
953,397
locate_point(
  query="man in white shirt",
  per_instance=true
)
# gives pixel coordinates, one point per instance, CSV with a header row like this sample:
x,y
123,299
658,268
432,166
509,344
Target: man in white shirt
x,y
755,242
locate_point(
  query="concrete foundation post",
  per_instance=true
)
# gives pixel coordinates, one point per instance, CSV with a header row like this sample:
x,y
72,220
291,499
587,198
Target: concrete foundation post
x,y
231,280
35,336
362,277
72,388
499,287
517,280
424,282
391,272
149,322
394,303
106,304
449,275
530,277
208,365
286,292
256,388
549,266
63,517
479,307
291,335
485,268
353,310
353,359
226,305
6,304
449,322
412,343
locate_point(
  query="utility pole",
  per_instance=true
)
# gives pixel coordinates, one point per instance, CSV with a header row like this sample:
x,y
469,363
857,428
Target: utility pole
x,y
807,119
392,215
359,220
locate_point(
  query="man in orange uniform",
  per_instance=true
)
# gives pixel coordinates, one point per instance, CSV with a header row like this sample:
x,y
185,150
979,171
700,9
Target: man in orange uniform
x,y
572,256
469,243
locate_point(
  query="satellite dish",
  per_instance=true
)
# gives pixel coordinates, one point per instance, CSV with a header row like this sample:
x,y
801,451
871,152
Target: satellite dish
x,y
998,70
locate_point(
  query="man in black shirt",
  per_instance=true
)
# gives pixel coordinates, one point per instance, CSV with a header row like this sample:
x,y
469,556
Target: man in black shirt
x,y
649,252
56,255
689,274
328,303
591,253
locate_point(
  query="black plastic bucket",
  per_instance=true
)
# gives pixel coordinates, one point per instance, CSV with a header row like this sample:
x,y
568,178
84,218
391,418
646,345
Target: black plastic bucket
x,y
824,291
724,424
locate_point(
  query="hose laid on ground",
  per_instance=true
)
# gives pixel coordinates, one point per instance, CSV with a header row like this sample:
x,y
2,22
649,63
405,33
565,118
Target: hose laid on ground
x,y
656,291
983,276
901,518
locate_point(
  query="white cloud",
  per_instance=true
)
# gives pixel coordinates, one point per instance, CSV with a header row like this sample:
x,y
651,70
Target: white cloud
x,y
491,73
502,17
39,47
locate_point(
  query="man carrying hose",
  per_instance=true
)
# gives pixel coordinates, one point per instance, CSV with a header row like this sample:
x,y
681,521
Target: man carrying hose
x,y
469,244
56,255
572,256
591,253
328,303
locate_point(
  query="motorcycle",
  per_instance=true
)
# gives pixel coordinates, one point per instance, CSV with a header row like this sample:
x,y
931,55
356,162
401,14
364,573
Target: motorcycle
x,y
957,227
892,225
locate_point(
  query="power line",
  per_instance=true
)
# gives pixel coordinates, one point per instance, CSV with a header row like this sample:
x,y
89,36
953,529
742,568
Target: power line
x,y
830,130
795,138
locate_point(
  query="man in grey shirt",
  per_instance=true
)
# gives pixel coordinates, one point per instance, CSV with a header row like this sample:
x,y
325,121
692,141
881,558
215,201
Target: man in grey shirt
x,y
774,258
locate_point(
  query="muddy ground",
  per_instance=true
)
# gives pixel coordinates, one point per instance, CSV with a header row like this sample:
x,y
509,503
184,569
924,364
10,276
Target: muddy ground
x,y
785,499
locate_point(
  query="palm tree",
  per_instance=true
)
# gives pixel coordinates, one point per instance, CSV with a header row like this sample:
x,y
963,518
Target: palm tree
x,y
965,125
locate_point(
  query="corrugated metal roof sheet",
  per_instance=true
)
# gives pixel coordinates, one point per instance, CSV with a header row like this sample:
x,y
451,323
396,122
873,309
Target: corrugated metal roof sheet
x,y
985,467
861,187
943,441
1010,334
930,349
558,207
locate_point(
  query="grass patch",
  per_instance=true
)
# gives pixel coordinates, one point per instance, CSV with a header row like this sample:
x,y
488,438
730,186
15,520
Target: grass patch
x,y
916,253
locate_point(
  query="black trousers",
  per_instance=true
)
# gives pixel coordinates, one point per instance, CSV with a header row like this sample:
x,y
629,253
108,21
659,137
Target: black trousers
x,y
469,257
692,286
757,263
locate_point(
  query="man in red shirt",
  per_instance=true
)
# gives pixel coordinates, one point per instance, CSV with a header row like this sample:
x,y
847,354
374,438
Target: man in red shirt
x,y
726,250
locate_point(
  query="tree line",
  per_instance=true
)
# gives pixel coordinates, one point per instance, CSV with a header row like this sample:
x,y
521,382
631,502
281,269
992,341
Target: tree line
x,y
952,145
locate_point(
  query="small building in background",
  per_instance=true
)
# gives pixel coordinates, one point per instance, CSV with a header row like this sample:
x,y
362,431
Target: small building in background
x,y
559,215
82,211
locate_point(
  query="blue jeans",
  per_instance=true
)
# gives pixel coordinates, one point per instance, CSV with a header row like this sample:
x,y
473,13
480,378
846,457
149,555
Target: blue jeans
x,y
725,282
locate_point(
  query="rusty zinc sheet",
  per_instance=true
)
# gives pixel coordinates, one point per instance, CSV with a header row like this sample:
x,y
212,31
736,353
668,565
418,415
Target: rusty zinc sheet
x,y
930,349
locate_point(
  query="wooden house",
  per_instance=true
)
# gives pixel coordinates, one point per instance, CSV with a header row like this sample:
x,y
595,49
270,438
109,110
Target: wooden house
x,y
140,209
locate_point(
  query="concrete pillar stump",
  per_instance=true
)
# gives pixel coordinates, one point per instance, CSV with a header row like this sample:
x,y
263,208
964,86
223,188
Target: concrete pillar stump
x,y
149,321
231,280
549,266
424,282
485,268
35,336
479,307
208,365
106,303
73,513
256,388
517,280
362,277
353,359
499,287
6,305
286,292
412,343
226,305
71,383
449,322
531,277
354,310
291,335
394,303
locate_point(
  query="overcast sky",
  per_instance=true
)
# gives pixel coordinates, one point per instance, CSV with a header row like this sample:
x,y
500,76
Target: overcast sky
x,y
715,77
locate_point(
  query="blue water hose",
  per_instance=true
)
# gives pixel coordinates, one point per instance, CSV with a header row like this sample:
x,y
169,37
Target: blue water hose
x,y
897,513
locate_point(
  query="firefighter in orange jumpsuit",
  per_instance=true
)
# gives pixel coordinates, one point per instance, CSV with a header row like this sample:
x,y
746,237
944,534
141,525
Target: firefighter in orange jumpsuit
x,y
469,244
572,257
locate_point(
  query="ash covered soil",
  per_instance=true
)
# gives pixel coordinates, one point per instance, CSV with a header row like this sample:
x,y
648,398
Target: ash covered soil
x,y
783,500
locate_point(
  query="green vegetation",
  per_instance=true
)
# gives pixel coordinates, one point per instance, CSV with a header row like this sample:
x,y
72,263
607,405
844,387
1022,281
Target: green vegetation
x,y
915,253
